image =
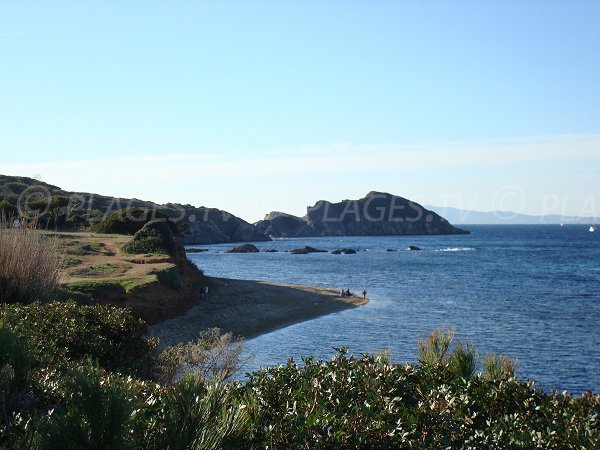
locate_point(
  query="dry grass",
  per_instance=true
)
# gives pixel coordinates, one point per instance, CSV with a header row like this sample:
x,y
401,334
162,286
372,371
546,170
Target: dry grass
x,y
30,264
214,356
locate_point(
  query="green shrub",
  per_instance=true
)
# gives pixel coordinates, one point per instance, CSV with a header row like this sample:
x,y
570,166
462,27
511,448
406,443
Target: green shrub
x,y
197,415
126,221
498,367
157,236
96,415
435,351
463,361
350,402
62,332
16,367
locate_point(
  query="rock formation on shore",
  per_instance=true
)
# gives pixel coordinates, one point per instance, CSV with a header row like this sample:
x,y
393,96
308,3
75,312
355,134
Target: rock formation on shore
x,y
377,214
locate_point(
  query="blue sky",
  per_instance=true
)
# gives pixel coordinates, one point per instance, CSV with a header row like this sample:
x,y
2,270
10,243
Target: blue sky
x,y
259,106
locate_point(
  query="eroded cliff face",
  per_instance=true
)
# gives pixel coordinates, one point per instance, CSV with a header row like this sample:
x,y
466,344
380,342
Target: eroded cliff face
x,y
377,214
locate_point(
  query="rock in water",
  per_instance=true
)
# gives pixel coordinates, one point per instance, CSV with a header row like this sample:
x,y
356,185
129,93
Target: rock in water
x,y
414,248
345,251
246,248
306,250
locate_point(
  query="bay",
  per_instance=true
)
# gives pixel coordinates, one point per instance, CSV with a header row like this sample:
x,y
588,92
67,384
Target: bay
x,y
531,292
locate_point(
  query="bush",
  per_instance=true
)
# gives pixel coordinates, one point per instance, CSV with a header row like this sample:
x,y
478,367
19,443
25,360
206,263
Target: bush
x,y
157,236
197,415
364,402
64,332
96,415
29,265
436,352
126,221
214,356
16,366
499,367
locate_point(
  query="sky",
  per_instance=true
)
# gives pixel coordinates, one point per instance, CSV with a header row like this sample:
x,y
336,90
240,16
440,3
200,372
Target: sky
x,y
255,106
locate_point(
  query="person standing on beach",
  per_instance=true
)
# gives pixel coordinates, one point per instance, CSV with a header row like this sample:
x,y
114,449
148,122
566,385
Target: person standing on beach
x,y
205,292
364,293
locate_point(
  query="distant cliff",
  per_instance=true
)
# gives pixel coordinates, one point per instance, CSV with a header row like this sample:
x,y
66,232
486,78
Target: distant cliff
x,y
377,214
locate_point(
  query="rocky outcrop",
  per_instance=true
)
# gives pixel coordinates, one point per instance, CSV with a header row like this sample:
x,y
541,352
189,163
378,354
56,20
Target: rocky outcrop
x,y
414,248
246,248
282,225
377,214
344,251
306,250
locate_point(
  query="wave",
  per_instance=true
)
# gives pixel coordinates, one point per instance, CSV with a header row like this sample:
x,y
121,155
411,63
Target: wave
x,y
456,249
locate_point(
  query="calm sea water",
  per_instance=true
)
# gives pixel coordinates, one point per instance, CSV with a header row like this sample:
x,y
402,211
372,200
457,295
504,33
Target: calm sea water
x,y
531,292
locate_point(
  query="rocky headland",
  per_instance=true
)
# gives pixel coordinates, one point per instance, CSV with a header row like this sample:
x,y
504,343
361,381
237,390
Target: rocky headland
x,y
377,214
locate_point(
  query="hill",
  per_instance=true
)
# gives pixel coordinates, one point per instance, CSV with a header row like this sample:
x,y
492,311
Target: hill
x,y
376,214
67,210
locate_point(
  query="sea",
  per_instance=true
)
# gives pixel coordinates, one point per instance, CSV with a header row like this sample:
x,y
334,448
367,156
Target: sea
x,y
531,292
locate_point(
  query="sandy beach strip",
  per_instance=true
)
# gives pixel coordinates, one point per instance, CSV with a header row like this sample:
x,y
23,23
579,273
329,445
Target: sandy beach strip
x,y
249,308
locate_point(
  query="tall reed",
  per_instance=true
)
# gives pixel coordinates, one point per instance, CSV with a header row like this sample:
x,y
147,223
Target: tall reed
x,y
30,264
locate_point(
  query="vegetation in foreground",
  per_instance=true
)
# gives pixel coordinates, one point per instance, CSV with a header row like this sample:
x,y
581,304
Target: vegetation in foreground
x,y
74,375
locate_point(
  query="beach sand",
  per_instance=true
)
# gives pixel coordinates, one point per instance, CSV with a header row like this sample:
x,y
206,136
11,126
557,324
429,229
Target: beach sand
x,y
250,308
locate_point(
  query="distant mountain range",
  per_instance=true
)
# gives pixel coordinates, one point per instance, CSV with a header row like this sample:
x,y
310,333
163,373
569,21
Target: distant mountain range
x,y
468,217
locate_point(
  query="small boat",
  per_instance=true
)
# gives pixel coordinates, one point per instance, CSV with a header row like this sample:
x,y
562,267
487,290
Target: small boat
x,y
593,229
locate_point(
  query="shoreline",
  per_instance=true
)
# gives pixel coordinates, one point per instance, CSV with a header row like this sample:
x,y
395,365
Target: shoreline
x,y
250,308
